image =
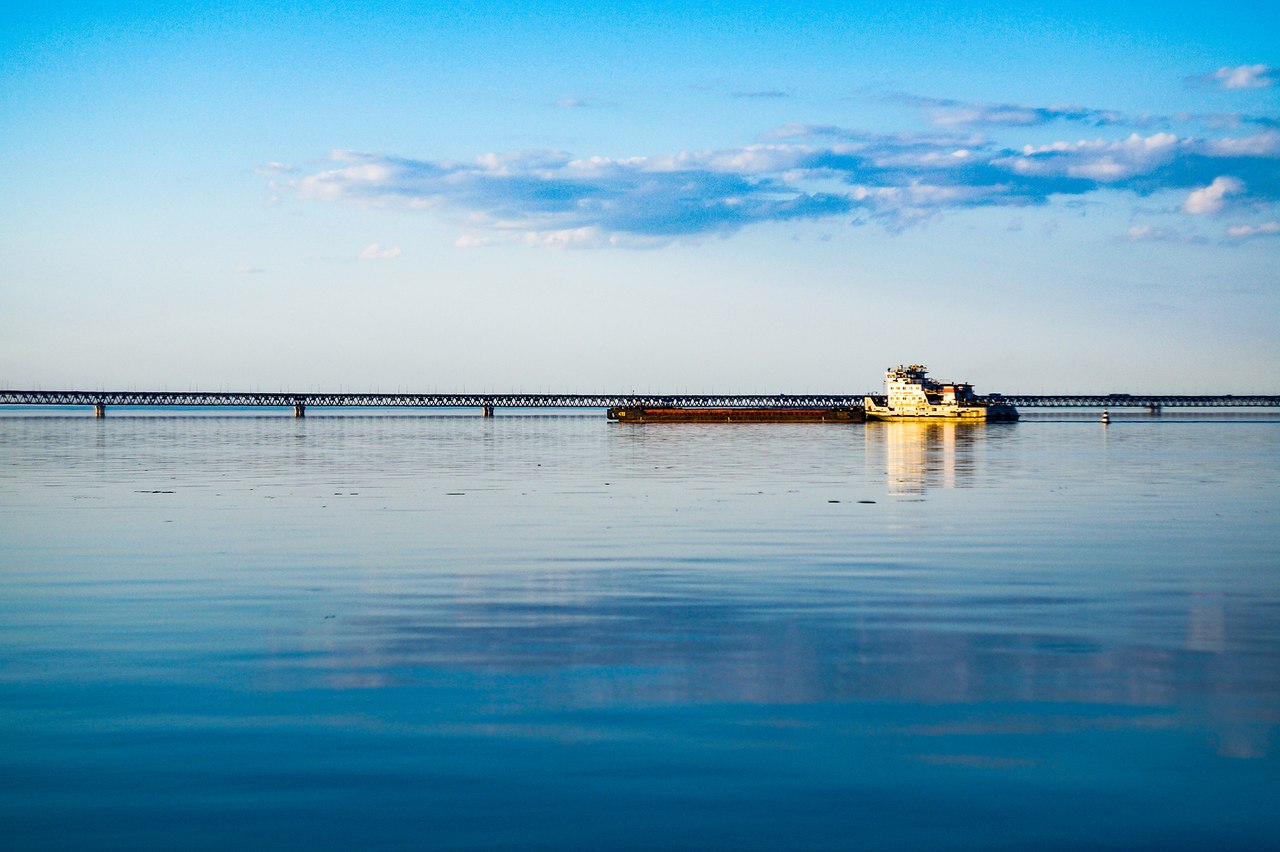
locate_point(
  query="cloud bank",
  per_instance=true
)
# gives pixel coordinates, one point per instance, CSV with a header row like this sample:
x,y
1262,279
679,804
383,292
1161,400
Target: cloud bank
x,y
809,172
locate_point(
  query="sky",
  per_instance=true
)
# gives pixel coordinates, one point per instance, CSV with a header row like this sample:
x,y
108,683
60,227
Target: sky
x,y
710,197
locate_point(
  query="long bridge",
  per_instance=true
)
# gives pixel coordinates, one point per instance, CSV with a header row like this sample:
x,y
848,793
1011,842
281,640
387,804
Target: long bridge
x,y
488,402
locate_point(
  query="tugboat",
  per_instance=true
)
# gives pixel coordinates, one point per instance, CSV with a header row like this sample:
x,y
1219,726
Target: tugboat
x,y
911,395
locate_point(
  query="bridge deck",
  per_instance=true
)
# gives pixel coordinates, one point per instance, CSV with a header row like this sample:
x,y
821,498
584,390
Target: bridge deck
x,y
525,400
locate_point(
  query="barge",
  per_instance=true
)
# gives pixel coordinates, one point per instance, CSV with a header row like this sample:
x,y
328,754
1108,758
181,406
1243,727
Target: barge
x,y
912,396
640,414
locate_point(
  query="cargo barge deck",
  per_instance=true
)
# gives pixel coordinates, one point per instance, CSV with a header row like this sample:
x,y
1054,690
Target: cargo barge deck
x,y
641,414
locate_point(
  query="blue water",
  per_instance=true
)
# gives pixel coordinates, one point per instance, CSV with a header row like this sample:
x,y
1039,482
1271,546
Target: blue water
x,y
552,632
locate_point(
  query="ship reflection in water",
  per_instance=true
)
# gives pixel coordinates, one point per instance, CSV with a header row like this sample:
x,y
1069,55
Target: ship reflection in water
x,y
923,455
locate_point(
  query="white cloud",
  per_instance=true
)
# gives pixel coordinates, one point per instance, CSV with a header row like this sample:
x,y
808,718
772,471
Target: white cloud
x,y
761,94
1212,198
551,198
587,237
1244,77
583,103
1101,160
1146,233
1258,145
1244,232
753,159
274,168
946,112
797,131
373,251
337,183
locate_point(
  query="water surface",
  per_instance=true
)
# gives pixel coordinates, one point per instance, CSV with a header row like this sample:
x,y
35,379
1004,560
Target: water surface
x,y
552,632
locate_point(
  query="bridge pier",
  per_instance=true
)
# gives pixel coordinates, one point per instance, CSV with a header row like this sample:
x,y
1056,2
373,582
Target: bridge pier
x,y
1153,408
299,411
486,411
99,410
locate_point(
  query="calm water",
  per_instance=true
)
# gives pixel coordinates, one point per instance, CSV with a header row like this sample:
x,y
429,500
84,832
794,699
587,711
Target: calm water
x,y
363,632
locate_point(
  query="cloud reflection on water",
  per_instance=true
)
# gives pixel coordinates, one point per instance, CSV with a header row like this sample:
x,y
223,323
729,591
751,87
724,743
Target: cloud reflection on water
x,y
633,638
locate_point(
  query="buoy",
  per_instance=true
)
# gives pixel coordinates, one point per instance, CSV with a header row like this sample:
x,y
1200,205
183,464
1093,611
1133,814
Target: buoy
x,y
1106,417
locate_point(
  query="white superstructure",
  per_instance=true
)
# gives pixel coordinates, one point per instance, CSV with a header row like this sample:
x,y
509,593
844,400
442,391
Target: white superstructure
x,y
910,394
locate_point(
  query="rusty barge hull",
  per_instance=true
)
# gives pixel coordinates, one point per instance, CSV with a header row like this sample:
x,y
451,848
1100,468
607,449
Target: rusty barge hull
x,y
637,414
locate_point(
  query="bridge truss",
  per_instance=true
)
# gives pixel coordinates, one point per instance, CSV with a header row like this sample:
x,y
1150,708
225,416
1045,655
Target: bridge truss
x,y
1124,400
423,400
489,401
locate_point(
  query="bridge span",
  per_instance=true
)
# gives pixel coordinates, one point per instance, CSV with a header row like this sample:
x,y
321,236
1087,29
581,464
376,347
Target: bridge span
x,y
1125,400
488,402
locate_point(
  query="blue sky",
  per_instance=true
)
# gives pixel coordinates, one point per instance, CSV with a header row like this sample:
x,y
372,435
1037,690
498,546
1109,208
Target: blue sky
x,y
598,197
